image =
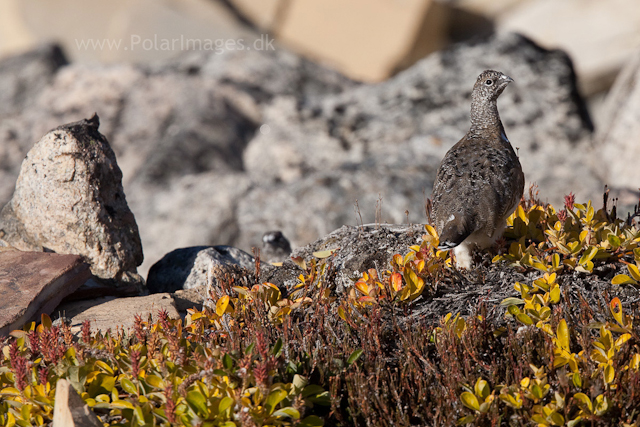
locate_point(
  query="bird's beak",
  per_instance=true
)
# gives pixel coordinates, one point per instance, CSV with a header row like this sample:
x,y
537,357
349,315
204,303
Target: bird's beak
x,y
506,79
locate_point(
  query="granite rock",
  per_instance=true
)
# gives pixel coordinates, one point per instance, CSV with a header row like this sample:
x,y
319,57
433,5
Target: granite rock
x,y
69,199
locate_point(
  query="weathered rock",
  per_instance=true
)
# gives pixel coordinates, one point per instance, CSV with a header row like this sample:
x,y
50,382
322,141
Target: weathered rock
x,y
617,139
211,201
410,121
189,298
32,283
22,79
69,199
317,204
70,410
358,249
110,312
187,268
177,128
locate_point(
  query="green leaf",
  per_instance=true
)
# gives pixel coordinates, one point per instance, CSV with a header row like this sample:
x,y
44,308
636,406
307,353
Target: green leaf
x,y
601,405
577,380
470,401
277,348
354,356
466,420
287,412
275,397
299,382
197,402
103,384
614,240
524,319
128,386
311,421
227,361
250,348
588,255
154,381
511,301
225,404
139,415
312,390
121,404
482,389
557,418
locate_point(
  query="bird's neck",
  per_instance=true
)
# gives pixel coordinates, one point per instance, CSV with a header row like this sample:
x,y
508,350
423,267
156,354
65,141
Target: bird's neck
x,y
484,116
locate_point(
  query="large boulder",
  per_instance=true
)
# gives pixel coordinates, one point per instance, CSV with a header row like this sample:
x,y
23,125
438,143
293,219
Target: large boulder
x,y
618,138
22,79
177,127
69,199
386,140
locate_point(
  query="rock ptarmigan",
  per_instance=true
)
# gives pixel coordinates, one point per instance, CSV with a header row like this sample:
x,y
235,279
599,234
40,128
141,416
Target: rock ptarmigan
x,y
480,181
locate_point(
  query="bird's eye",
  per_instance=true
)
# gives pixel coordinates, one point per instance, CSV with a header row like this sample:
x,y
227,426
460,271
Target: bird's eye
x,y
489,82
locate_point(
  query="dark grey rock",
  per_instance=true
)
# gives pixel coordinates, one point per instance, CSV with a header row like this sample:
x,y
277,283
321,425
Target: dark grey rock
x,y
188,268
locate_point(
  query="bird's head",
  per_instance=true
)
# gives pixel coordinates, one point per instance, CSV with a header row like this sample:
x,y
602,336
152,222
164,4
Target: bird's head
x,y
489,86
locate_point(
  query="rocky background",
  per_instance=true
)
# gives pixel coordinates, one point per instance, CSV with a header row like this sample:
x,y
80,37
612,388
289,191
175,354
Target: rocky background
x,y
343,122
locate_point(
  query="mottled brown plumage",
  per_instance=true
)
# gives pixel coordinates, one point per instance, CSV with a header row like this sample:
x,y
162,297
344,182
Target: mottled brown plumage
x,y
480,181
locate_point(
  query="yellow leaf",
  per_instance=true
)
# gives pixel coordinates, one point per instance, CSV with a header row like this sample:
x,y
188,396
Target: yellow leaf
x,y
431,231
324,254
523,318
635,362
584,399
633,269
46,320
470,401
221,305
342,313
482,388
554,295
601,405
588,255
102,365
122,404
609,374
563,335
623,279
